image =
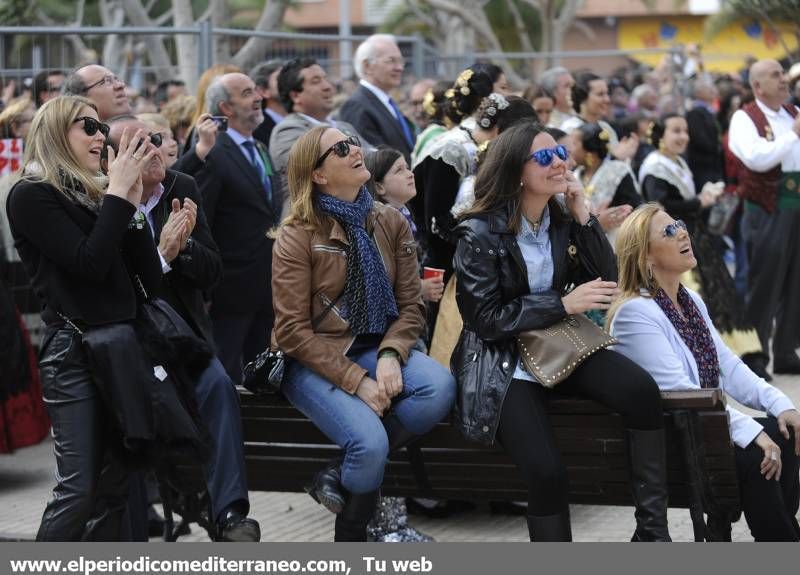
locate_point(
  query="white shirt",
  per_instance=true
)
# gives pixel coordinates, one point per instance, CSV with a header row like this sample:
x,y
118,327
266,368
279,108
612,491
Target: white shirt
x,y
147,209
647,337
381,95
759,154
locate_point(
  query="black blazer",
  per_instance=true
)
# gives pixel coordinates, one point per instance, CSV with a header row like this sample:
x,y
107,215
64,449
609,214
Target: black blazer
x,y
195,270
74,257
372,120
705,148
239,217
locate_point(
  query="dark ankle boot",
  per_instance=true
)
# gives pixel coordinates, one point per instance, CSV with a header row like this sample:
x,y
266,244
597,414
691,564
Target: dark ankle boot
x,y
648,459
550,527
351,523
326,487
397,434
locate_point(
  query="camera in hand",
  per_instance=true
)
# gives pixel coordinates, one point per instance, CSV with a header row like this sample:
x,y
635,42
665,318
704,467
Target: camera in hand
x,y
221,121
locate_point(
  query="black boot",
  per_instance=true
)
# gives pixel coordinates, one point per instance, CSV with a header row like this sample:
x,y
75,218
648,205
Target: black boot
x,y
326,487
351,523
648,458
550,527
397,434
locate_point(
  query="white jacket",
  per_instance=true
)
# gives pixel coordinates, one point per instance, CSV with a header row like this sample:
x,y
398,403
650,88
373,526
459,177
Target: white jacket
x,y
647,337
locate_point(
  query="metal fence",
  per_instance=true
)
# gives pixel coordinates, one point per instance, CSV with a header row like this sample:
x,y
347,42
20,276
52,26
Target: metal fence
x,y
24,51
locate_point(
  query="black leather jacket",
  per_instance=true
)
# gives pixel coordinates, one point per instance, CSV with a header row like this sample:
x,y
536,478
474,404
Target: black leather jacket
x,y
495,302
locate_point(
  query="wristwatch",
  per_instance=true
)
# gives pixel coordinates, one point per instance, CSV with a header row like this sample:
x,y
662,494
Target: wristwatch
x,y
188,246
137,221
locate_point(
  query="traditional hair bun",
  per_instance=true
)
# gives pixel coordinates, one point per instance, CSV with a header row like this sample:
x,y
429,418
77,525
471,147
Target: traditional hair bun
x,y
467,93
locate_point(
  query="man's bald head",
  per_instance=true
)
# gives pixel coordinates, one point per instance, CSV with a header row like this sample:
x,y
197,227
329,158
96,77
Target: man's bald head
x,y
102,87
769,83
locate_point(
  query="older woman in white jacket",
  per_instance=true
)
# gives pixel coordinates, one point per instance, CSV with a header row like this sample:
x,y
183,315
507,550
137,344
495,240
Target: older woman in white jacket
x,y
666,329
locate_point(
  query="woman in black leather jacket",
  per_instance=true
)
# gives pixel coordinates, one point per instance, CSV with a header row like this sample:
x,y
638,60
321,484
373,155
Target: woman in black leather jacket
x,y
71,225
519,253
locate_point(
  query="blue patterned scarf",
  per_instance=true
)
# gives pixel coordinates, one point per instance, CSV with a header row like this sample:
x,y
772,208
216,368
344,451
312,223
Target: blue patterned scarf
x,y
371,306
694,332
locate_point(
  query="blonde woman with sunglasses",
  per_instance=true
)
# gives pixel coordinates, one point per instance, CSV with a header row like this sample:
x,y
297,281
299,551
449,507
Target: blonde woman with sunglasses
x,y
519,252
666,328
70,223
348,313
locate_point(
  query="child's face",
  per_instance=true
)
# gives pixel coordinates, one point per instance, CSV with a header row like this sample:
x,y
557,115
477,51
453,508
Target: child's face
x,y
397,187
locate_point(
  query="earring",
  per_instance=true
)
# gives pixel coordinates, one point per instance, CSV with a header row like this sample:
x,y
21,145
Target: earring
x,y
662,147
649,276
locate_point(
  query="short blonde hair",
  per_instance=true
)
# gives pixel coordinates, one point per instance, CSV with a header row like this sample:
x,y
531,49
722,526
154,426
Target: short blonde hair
x,y
49,157
632,247
299,172
179,112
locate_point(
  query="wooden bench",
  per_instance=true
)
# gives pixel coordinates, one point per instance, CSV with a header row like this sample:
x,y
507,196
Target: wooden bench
x,y
283,450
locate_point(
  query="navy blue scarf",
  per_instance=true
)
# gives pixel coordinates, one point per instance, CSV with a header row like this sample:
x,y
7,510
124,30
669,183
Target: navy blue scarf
x,y
371,306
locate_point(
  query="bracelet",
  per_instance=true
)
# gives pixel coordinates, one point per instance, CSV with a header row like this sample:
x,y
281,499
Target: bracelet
x,y
388,352
137,221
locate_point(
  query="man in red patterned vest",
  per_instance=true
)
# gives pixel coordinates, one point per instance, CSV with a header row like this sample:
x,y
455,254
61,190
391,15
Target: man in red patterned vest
x,y
765,136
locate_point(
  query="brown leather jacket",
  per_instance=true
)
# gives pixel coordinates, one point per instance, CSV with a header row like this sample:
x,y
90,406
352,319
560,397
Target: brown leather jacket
x,y
308,272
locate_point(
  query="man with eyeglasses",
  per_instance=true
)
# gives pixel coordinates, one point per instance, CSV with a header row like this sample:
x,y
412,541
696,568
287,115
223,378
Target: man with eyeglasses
x,y
102,87
307,94
242,199
371,110
191,264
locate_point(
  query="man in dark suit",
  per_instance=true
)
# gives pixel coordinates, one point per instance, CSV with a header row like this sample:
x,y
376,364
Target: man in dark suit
x,y
265,76
705,148
242,200
191,264
371,111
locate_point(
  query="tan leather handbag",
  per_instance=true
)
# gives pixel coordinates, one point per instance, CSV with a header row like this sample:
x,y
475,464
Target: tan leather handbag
x,y
552,354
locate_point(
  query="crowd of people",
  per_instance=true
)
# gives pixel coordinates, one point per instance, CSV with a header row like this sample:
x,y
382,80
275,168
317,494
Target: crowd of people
x,y
393,245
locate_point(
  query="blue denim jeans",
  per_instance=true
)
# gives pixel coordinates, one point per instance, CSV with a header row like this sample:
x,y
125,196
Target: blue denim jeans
x,y
427,396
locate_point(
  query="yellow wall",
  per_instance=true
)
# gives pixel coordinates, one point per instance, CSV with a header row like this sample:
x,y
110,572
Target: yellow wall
x,y
725,53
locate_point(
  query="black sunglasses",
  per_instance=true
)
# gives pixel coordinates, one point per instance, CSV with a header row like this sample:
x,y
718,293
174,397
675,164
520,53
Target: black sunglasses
x,y
340,148
91,126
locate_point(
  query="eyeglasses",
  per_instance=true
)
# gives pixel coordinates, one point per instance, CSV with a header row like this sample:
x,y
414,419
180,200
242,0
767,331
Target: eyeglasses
x,y
340,148
671,230
91,126
109,79
544,157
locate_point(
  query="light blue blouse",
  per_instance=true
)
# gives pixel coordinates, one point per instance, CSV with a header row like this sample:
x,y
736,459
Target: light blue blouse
x,y
536,252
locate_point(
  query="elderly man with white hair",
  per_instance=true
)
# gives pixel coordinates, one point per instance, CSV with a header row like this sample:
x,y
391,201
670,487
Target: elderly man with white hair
x,y
371,110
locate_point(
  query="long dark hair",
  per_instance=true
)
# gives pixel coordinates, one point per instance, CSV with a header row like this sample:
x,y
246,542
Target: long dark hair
x,y
497,182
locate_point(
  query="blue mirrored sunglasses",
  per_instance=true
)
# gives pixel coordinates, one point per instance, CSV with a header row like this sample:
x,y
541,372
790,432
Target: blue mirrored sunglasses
x,y
671,230
544,157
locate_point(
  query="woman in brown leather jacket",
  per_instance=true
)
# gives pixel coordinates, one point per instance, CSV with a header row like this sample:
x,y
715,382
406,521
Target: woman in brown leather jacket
x,y
519,252
348,311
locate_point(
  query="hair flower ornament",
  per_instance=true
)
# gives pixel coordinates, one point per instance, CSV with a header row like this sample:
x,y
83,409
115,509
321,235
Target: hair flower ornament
x,y
428,105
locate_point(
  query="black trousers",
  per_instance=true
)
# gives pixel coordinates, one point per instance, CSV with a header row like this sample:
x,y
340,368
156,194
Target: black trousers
x,y
241,337
773,281
89,501
525,432
770,507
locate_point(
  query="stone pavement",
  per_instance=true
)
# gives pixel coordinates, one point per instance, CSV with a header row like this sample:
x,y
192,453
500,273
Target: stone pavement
x,y
26,478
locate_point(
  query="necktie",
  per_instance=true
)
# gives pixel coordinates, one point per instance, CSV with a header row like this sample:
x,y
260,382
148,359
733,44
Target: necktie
x,y
250,146
403,124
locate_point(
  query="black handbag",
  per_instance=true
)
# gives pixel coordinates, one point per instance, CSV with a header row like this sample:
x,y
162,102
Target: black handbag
x,y
264,374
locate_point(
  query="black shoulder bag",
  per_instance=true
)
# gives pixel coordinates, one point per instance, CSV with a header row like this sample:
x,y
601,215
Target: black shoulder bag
x,y
265,373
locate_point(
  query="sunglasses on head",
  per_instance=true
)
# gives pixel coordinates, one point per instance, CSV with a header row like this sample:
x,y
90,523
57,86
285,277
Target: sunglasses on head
x,y
91,126
340,148
671,230
544,157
